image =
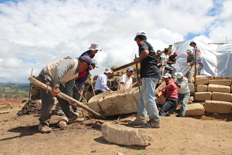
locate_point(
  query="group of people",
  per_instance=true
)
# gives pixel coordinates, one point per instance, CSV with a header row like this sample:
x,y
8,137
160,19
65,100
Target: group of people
x,y
68,75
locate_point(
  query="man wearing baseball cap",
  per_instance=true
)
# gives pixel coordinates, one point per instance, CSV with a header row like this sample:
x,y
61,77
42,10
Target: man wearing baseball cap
x,y
149,73
61,75
183,92
171,94
159,63
125,80
81,79
101,83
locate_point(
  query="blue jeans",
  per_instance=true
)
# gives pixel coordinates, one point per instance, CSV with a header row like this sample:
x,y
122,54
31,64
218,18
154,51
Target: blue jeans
x,y
185,98
147,99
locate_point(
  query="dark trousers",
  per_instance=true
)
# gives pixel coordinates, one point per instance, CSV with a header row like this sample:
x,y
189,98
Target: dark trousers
x,y
48,102
169,106
98,92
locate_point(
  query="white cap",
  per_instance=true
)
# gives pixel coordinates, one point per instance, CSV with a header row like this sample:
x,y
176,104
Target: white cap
x,y
188,50
167,75
140,33
179,75
108,70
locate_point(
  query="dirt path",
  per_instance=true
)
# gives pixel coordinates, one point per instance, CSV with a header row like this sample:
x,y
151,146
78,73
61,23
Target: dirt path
x,y
19,135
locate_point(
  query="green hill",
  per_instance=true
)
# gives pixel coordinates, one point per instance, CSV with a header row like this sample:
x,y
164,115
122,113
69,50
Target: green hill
x,y
11,90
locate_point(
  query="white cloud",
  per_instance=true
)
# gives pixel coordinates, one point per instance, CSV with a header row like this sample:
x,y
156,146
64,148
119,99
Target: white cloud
x,y
35,33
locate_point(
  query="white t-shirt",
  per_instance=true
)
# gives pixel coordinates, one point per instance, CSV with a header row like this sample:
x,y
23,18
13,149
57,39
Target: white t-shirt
x,y
126,80
184,88
163,58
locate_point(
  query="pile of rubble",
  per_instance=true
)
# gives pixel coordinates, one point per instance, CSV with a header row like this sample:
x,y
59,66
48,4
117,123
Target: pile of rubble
x,y
30,107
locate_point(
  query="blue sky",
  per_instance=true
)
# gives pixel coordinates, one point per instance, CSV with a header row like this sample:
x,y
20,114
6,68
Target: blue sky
x,y
36,32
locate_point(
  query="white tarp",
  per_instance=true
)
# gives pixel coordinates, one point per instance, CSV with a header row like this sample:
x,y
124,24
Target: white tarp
x,y
215,63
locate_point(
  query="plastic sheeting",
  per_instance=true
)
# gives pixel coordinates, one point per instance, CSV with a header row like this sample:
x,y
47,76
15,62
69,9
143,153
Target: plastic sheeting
x,y
215,63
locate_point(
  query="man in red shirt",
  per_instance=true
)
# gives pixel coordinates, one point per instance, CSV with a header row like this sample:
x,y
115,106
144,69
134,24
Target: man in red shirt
x,y
171,93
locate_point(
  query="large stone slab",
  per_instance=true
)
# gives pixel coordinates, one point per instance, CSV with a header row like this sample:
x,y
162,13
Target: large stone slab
x,y
202,81
202,96
202,88
191,87
220,96
116,102
221,107
123,135
218,88
195,109
200,77
226,82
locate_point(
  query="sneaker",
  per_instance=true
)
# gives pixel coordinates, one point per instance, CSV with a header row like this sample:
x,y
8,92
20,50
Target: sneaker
x,y
138,121
60,112
151,124
44,128
63,122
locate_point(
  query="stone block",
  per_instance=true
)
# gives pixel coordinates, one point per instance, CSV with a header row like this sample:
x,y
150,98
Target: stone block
x,y
200,77
195,109
116,102
191,87
218,88
202,96
222,96
123,135
202,88
226,82
221,107
202,81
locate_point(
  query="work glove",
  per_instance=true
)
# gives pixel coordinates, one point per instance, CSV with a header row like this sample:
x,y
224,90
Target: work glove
x,y
90,77
188,64
198,64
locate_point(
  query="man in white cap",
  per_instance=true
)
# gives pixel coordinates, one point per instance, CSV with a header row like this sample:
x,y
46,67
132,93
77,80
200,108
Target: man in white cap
x,y
61,75
101,83
125,80
93,49
183,92
190,62
149,73
171,94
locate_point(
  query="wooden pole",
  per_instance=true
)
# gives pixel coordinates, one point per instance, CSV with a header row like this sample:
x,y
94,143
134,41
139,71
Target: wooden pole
x,y
63,96
137,70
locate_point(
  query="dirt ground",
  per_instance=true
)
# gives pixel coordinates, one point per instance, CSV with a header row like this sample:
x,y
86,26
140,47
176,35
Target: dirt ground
x,y
211,134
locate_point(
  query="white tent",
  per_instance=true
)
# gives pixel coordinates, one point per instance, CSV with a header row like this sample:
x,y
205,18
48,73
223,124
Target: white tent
x,y
215,63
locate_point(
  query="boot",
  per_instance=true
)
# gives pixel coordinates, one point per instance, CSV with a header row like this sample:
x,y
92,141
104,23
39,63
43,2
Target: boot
x,y
44,128
151,124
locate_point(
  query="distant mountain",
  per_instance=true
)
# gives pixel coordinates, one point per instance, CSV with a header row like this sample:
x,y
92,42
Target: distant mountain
x,y
1,83
12,90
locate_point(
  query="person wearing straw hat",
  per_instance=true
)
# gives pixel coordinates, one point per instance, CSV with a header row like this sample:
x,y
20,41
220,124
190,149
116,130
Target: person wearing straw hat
x,y
125,80
93,49
171,94
183,92
101,83
149,73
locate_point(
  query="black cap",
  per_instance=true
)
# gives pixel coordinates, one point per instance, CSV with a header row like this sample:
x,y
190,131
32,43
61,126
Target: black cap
x,y
192,42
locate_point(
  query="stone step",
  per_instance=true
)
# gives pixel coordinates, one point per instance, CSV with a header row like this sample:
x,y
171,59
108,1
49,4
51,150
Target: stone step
x,y
202,81
220,96
218,88
195,109
221,107
202,96
226,82
202,88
